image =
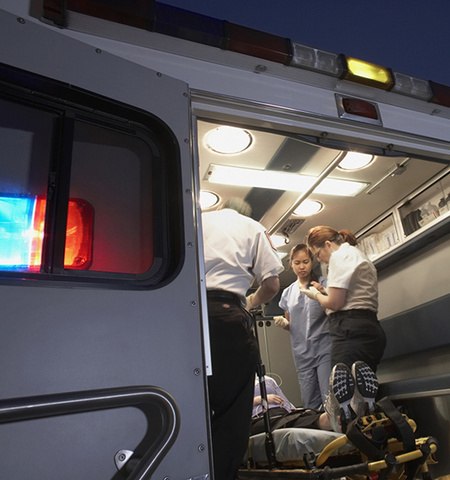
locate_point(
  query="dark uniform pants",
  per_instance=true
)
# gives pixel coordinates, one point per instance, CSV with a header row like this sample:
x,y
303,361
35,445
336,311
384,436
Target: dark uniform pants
x,y
234,352
356,335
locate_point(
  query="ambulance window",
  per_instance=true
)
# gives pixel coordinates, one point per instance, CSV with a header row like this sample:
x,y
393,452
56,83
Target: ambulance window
x,y
86,194
113,172
26,139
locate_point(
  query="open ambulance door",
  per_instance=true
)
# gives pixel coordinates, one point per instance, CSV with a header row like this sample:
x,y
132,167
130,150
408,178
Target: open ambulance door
x,y
103,365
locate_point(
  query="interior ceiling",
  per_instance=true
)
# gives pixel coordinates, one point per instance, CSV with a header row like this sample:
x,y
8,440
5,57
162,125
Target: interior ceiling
x,y
274,151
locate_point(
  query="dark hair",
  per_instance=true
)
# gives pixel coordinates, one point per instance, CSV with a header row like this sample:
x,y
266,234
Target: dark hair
x,y
299,248
317,236
241,206
347,236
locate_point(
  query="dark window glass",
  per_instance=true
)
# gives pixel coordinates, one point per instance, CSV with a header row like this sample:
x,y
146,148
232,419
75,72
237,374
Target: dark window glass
x,y
113,172
86,197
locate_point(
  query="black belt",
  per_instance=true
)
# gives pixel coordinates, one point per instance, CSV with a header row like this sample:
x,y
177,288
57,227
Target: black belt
x,y
354,313
224,296
274,412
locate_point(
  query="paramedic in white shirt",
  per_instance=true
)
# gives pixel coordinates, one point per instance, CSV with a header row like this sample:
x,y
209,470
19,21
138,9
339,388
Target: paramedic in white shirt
x,y
237,250
352,299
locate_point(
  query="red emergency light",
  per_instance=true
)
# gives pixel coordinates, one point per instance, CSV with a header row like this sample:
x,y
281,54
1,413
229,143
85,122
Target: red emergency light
x,y
23,221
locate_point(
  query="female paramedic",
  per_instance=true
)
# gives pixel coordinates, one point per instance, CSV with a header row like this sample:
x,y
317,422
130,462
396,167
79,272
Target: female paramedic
x,y
351,301
307,322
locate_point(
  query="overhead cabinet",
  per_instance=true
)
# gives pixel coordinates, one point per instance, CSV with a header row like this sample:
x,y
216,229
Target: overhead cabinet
x,y
413,221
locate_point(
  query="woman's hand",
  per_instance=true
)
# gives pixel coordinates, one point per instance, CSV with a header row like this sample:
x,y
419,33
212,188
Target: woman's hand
x,y
272,398
332,298
319,287
310,292
282,322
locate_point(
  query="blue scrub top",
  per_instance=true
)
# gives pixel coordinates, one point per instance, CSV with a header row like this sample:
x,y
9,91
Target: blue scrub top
x,y
310,339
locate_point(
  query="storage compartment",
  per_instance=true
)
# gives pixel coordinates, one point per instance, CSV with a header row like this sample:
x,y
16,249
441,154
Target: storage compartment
x,y
426,207
419,214
380,238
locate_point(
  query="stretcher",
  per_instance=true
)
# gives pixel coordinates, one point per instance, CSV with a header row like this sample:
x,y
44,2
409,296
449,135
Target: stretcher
x,y
379,446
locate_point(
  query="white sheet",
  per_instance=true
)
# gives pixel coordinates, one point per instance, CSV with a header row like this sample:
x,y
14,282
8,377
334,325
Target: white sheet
x,y
292,443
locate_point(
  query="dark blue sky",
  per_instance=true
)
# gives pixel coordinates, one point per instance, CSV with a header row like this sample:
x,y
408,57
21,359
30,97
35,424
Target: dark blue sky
x,y
409,36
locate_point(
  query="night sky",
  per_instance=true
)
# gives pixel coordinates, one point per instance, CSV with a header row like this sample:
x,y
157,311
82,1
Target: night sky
x,y
409,36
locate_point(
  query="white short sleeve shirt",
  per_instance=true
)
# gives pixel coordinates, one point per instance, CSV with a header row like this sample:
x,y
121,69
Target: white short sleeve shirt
x,y
237,249
349,268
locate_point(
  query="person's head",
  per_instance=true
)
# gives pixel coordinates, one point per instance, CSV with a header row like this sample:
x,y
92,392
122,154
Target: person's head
x,y
323,241
301,262
347,236
241,206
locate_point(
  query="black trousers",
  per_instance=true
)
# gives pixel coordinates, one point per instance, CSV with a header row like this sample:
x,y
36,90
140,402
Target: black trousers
x,y
356,335
234,352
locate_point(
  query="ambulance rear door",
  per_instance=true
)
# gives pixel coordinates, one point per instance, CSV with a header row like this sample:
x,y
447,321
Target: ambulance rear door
x,y
101,342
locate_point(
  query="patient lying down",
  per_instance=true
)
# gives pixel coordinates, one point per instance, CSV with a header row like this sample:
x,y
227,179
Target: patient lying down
x,y
352,394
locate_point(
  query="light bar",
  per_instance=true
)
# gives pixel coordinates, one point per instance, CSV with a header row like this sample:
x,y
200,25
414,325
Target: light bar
x,y
191,26
246,177
316,60
137,14
411,86
368,74
180,23
441,94
257,43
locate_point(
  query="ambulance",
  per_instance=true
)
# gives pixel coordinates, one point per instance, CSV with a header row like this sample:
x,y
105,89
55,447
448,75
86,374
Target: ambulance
x,y
110,113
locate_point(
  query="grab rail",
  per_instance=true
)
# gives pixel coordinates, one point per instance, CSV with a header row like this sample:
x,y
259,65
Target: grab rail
x,y
141,397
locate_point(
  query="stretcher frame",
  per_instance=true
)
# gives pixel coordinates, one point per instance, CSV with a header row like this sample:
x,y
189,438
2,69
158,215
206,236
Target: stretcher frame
x,y
396,464
401,459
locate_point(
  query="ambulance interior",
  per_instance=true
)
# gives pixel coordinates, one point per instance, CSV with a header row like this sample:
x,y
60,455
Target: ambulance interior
x,y
397,205
377,202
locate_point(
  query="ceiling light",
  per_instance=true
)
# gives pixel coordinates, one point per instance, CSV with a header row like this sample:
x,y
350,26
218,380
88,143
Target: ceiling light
x,y
228,140
279,240
308,207
247,177
208,199
355,161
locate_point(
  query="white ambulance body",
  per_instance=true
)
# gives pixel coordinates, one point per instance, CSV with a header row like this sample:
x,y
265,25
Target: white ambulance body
x,y
106,113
